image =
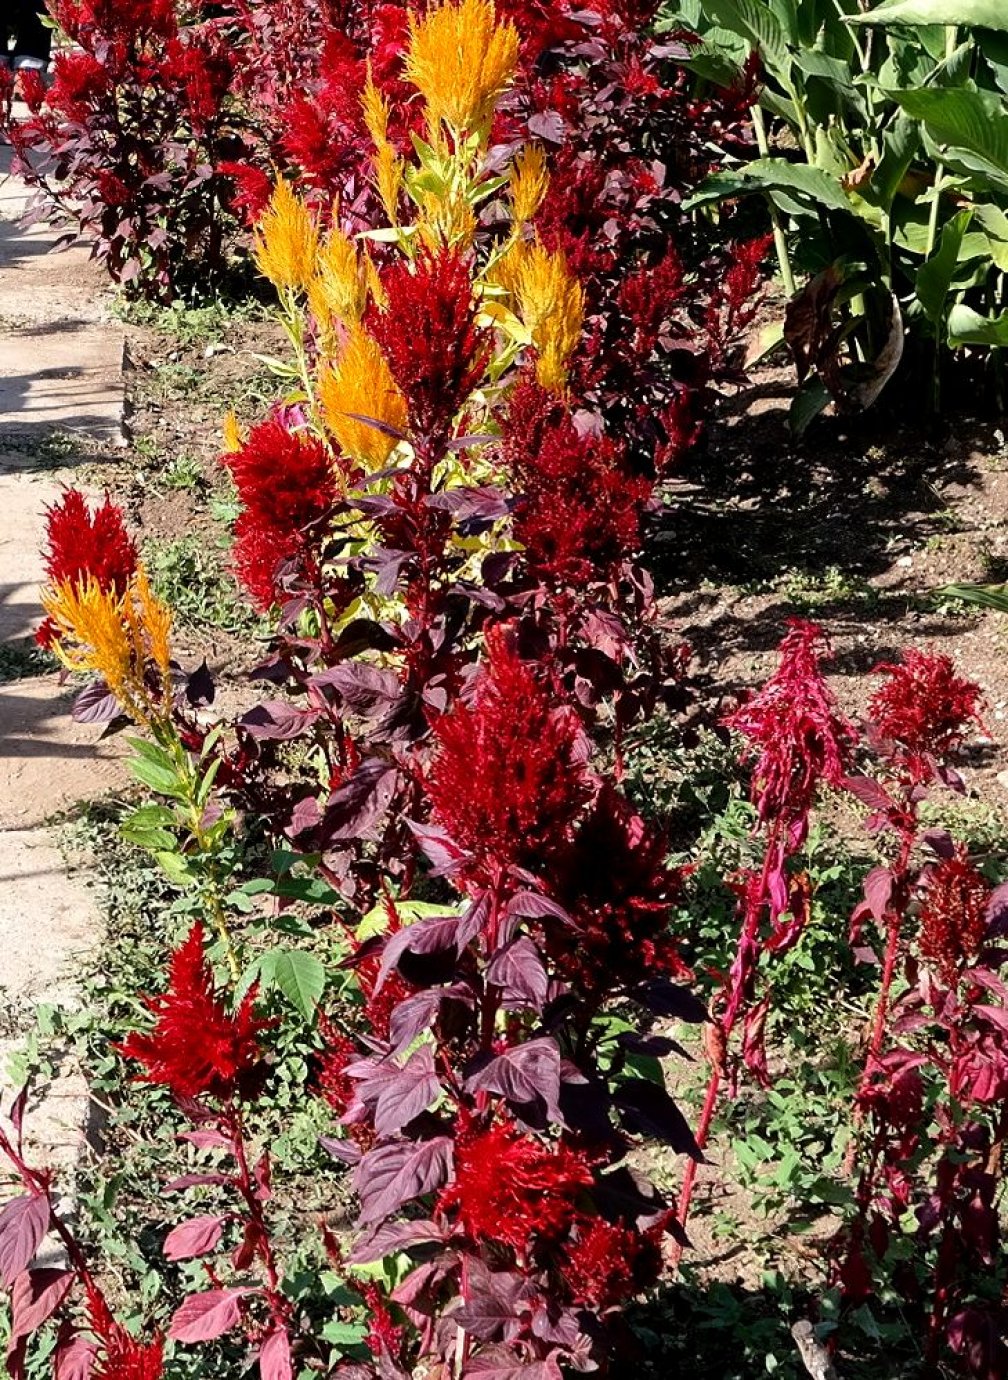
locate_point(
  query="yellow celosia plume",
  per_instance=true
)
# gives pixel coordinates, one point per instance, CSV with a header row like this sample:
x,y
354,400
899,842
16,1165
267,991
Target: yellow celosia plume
x,y
461,60
362,384
550,302
339,290
117,637
389,169
231,438
529,183
287,241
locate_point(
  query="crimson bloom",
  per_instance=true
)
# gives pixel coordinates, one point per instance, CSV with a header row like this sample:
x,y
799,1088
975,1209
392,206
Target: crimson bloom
x,y
508,778
120,1355
511,1189
953,919
794,732
82,545
286,483
428,334
610,1262
579,509
924,706
197,1046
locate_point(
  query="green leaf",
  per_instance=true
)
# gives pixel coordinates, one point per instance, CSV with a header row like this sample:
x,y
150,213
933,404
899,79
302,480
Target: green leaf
x,y
164,780
812,398
934,277
769,175
968,327
899,144
972,122
980,14
756,23
987,596
301,978
175,867
995,223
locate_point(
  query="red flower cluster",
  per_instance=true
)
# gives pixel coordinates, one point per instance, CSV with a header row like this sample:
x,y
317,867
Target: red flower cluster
x,y
83,545
924,706
953,919
333,1084
121,1356
734,301
197,1047
428,334
609,1262
286,484
507,780
794,731
512,1189
579,510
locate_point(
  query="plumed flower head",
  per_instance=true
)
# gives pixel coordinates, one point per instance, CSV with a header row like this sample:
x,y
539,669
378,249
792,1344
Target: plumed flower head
x,y
610,1262
198,1047
953,916
579,505
511,1189
507,780
427,331
85,547
81,543
286,483
924,707
551,304
287,241
794,733
120,1355
361,386
461,59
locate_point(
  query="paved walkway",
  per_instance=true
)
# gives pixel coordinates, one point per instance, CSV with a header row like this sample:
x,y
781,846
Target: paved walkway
x,y
61,392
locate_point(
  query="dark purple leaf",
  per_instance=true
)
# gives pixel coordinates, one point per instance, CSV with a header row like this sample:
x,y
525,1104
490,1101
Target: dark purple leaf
x,y
360,684
354,809
432,935
95,705
194,1238
648,1109
23,1225
396,1095
394,1174
444,854
199,687
878,889
501,1364
518,971
531,905
524,1075
417,1013
203,1317
392,1237
75,1358
869,792
278,721
346,1151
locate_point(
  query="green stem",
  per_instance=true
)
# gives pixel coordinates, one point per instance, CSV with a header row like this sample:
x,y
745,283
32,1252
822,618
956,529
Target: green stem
x,y
780,242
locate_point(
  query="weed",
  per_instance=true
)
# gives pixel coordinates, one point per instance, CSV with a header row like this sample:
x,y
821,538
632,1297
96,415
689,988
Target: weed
x,y
190,574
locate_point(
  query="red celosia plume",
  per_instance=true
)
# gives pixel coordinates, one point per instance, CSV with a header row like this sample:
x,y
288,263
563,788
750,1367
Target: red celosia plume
x,y
924,706
197,1046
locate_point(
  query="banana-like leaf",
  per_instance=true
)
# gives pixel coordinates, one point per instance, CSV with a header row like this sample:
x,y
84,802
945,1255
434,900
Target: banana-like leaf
x,y
770,175
980,14
934,277
974,122
968,327
988,596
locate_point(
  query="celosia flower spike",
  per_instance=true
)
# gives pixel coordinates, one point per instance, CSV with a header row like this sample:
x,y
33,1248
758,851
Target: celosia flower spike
x,y
551,304
120,1355
362,385
287,241
81,546
953,916
198,1047
529,183
924,707
794,732
461,60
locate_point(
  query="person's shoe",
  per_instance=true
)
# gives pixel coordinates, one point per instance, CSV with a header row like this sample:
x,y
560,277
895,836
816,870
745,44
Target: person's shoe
x,y
23,63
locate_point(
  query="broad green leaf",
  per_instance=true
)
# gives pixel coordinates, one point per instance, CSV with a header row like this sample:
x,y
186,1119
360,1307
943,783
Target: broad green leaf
x,y
164,780
980,14
755,21
812,398
899,144
988,596
178,871
968,327
934,277
769,175
963,119
301,978
995,223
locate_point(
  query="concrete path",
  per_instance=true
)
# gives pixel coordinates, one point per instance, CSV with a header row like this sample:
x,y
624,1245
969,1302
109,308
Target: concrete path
x,y
61,380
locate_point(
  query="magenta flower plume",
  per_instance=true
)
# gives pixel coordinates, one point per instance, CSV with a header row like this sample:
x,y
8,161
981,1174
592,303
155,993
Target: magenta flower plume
x,y
794,733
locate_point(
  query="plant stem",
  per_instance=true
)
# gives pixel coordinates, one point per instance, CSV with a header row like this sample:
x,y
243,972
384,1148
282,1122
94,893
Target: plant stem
x,y
780,242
